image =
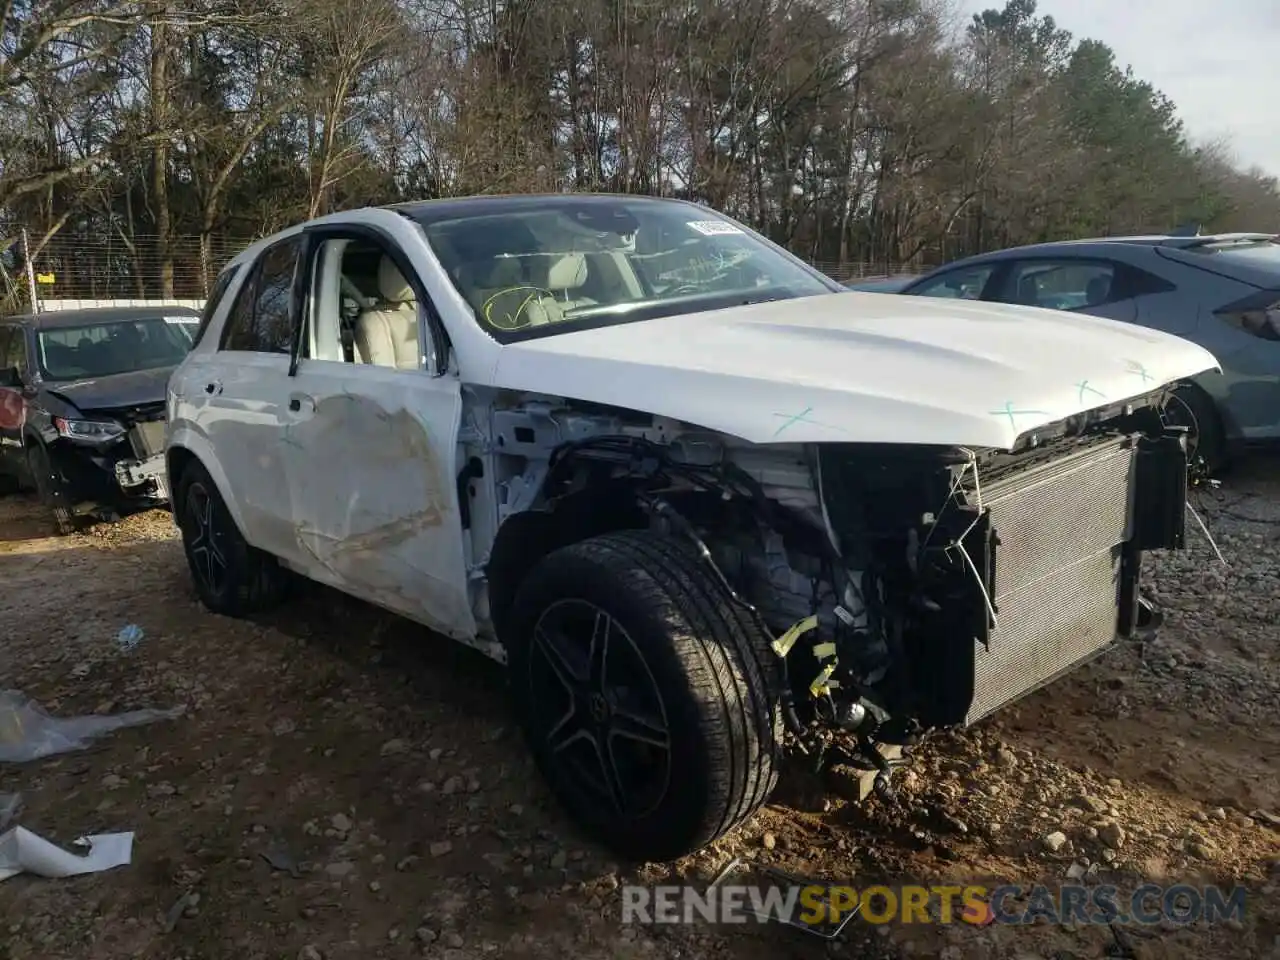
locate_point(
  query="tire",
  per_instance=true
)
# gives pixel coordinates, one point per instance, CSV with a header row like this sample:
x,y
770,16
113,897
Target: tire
x,y
1189,406
231,577
694,730
51,490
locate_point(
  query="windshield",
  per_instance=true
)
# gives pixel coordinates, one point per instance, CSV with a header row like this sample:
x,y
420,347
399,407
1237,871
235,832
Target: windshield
x,y
116,346
535,266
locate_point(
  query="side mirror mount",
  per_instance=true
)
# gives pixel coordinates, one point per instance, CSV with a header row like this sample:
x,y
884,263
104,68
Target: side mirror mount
x,y
10,377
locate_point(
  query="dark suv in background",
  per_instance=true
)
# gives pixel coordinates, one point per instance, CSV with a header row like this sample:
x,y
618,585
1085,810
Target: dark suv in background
x,y
82,401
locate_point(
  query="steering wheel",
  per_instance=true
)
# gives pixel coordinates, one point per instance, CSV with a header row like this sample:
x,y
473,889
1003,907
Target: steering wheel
x,y
352,291
526,294
682,289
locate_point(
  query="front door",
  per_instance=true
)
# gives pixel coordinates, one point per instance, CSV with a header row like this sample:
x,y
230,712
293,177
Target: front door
x,y
369,444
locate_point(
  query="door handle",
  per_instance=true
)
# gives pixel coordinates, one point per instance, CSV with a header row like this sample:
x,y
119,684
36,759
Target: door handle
x,y
298,400
213,388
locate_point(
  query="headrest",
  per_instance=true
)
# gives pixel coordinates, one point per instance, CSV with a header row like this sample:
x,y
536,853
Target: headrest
x,y
1097,290
567,273
392,285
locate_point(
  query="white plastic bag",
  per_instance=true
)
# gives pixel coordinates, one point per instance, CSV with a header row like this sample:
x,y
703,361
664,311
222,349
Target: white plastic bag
x,y
21,851
27,732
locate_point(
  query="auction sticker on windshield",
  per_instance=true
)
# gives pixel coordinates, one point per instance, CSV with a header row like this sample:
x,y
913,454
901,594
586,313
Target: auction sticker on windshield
x,y
183,320
713,228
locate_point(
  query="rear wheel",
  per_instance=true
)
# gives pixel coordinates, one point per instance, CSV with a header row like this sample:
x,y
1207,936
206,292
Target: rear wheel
x,y
647,694
51,489
231,577
1189,406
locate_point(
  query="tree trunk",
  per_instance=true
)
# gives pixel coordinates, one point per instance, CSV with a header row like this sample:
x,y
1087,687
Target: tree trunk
x,y
161,57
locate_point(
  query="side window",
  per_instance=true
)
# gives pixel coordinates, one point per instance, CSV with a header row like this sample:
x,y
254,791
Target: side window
x,y
12,348
1061,284
1132,282
260,320
967,283
362,310
219,291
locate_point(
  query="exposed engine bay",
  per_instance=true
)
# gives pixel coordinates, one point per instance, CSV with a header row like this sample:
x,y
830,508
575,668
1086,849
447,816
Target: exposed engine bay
x,y
907,588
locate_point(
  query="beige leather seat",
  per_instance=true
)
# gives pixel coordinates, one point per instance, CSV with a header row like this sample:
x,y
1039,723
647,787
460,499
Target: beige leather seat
x,y
498,285
387,335
565,278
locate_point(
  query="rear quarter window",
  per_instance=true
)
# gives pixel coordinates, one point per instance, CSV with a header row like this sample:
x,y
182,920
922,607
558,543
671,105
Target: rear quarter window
x,y
216,295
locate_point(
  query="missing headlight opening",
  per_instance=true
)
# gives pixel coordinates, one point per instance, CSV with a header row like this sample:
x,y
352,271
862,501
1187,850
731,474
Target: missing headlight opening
x,y
907,588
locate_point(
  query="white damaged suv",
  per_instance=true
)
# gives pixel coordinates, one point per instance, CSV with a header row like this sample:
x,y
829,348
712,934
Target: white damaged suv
x,y
692,492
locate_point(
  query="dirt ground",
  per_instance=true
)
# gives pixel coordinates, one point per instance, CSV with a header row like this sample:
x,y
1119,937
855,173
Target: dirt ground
x,y
343,785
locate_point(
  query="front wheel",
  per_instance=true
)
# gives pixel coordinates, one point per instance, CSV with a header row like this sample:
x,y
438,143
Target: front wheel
x,y
648,696
231,577
51,490
1189,406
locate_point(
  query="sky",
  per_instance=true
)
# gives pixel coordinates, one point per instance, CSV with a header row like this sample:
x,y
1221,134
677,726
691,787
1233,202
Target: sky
x,y
1219,62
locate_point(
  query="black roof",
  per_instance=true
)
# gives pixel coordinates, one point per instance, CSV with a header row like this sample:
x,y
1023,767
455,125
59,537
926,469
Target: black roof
x,y
60,319
434,211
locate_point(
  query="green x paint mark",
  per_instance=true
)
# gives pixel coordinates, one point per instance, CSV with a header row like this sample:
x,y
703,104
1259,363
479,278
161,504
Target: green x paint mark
x,y
801,417
1012,414
1139,369
1084,385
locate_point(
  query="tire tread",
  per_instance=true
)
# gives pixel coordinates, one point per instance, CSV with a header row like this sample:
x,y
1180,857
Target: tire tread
x,y
725,654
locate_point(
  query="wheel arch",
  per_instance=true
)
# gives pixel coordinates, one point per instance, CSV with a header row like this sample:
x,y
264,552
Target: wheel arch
x,y
178,457
1219,403
525,538
34,437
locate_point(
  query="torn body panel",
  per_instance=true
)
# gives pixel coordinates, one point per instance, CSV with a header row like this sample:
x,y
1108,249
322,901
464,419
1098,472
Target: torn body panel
x,y
936,583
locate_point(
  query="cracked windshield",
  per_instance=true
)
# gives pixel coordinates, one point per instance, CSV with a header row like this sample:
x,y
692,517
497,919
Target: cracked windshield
x,y
563,264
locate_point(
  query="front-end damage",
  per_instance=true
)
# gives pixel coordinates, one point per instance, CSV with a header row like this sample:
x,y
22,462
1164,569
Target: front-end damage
x,y
908,587
122,463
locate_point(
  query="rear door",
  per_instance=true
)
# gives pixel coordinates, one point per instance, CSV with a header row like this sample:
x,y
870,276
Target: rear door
x,y
237,396
1094,286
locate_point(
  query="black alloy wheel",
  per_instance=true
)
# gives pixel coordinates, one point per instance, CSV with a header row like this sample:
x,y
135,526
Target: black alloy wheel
x,y
607,726
647,694
231,577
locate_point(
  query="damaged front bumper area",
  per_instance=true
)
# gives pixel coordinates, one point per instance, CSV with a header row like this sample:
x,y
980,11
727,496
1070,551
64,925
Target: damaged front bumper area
x,y
144,476
1030,570
129,470
144,479
984,576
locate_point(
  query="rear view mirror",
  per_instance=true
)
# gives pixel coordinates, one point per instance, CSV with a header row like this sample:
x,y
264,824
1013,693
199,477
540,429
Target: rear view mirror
x,y
9,377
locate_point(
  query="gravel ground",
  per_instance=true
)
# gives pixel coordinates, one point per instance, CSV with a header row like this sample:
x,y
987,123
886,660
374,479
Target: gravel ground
x,y
343,785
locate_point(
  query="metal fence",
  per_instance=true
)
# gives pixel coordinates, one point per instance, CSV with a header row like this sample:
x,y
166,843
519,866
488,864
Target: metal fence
x,y
74,269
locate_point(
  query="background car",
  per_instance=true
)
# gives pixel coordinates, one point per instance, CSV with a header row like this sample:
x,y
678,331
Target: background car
x,y
1221,291
892,284
82,397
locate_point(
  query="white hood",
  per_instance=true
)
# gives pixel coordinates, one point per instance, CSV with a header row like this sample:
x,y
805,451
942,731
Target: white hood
x,y
858,367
